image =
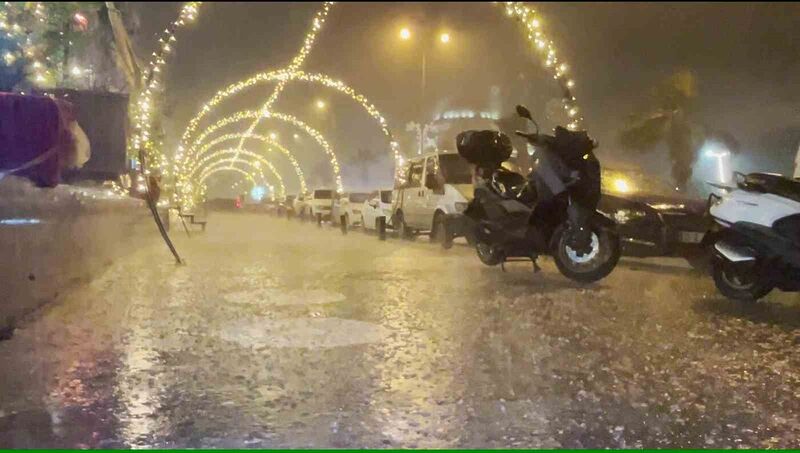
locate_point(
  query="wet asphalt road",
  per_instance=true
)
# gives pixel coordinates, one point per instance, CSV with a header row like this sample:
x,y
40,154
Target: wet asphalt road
x,y
277,334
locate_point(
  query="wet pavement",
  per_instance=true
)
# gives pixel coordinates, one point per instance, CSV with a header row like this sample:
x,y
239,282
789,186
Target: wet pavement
x,y
277,334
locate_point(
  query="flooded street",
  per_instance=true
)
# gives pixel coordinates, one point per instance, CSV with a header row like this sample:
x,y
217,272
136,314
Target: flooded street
x,y
280,334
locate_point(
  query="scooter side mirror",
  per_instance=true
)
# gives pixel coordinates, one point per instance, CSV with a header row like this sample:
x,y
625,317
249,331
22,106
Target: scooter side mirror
x,y
523,112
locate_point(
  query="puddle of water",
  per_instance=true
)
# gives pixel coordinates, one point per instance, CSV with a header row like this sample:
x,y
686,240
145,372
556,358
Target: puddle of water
x,y
314,333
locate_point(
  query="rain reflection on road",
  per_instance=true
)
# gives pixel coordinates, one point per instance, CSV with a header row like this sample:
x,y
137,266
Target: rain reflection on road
x,y
279,335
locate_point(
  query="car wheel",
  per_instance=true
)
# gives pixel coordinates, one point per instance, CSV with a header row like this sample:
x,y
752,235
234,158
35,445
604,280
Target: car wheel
x,y
439,232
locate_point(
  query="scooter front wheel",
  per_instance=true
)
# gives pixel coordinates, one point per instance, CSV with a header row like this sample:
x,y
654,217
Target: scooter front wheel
x,y
589,266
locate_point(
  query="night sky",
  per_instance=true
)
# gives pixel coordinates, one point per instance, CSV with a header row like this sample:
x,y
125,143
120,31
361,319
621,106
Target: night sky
x,y
745,57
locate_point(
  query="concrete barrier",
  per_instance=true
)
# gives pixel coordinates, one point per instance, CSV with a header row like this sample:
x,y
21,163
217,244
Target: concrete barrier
x,y
52,239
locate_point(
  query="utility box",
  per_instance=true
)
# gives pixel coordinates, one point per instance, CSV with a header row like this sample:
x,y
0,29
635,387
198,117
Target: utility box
x,y
103,117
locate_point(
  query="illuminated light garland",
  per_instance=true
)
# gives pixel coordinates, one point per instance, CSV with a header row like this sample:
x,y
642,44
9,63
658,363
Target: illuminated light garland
x,y
40,75
151,79
245,114
226,163
514,9
116,188
321,79
201,182
259,160
545,47
268,141
297,62
201,188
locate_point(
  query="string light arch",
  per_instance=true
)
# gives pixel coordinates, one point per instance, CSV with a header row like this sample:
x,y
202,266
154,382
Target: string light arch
x,y
265,77
297,62
226,163
259,159
220,156
271,144
201,182
313,133
530,19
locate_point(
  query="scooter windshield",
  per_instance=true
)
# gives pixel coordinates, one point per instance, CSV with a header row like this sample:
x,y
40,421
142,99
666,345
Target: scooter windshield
x,y
549,175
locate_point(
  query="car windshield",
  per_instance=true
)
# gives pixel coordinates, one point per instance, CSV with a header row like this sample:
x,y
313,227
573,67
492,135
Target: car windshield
x,y
358,197
455,169
386,196
323,194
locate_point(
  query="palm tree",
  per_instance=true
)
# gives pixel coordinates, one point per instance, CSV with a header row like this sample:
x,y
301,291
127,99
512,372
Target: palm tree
x,y
666,120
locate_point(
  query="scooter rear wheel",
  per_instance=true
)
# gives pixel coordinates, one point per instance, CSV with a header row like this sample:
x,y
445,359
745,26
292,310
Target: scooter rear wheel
x,y
739,282
488,255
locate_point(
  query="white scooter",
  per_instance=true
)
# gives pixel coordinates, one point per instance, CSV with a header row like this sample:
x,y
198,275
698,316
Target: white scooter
x,y
756,236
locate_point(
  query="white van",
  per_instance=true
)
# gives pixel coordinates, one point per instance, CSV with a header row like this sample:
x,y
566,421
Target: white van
x,y
432,195
320,202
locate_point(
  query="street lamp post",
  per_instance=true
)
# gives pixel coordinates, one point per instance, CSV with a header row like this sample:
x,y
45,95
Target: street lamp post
x,y
444,38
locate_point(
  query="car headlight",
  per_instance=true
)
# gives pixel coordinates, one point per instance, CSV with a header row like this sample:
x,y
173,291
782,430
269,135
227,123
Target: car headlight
x,y
461,206
668,206
628,215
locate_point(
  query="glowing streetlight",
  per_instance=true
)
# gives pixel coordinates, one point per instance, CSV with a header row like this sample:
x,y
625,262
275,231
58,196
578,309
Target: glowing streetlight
x,y
426,33
296,136
723,158
320,104
273,135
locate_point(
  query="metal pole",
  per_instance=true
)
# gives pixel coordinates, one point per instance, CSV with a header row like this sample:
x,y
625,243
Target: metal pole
x,y
422,101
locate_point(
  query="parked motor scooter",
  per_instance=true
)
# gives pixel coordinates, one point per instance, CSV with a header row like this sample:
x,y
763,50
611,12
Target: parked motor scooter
x,y
756,236
551,212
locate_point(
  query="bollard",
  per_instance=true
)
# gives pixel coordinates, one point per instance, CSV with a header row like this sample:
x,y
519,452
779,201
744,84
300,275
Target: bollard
x,y
319,220
382,228
447,234
343,223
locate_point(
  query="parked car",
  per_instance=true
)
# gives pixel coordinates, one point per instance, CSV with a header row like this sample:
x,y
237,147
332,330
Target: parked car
x,y
653,218
431,196
320,202
348,205
378,204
